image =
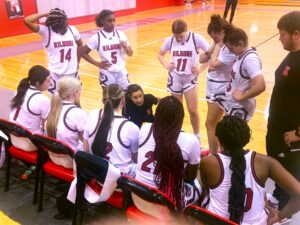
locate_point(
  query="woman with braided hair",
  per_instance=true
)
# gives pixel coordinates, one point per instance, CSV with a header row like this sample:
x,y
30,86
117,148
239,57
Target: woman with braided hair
x,y
168,158
61,41
235,178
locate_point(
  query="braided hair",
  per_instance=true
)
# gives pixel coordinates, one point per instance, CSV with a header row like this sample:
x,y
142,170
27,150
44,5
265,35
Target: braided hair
x,y
233,134
169,167
57,20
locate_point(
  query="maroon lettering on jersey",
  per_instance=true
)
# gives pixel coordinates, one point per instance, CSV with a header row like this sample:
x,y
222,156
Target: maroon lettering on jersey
x,y
60,44
111,47
183,53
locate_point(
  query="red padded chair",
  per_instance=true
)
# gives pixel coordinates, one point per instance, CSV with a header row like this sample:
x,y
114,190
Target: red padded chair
x,y
48,144
206,217
92,170
31,156
147,193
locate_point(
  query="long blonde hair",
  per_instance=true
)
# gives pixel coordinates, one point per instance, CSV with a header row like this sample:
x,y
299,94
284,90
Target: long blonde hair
x,y
67,86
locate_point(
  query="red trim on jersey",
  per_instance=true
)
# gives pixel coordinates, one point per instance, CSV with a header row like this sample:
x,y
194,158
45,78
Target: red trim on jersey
x,y
119,134
253,171
65,116
148,136
98,123
194,41
49,37
222,172
35,114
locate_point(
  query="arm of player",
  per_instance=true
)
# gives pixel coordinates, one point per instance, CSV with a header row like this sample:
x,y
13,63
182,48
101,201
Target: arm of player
x,y
30,21
257,86
161,59
287,182
85,54
205,56
127,48
85,145
214,62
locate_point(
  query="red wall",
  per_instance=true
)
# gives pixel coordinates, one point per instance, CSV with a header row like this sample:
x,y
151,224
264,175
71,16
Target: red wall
x,y
154,4
16,26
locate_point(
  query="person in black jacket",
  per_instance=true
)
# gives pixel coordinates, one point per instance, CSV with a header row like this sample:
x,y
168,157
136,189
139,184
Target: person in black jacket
x,y
138,107
284,113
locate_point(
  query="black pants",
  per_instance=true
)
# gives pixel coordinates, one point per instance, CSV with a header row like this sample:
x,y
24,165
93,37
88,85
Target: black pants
x,y
291,162
232,4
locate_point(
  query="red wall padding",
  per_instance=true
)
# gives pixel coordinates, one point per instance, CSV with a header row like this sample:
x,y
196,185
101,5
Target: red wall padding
x,y
15,26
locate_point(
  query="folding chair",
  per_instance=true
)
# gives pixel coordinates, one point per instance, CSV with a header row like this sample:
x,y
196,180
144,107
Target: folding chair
x,y
46,145
147,193
31,156
92,170
206,217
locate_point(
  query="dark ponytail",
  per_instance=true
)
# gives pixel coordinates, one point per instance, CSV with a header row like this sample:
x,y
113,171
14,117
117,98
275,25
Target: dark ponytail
x,y
233,134
114,95
36,76
169,167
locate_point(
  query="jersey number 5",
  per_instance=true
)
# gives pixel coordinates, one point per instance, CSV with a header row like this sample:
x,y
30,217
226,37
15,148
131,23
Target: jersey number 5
x,y
114,58
64,56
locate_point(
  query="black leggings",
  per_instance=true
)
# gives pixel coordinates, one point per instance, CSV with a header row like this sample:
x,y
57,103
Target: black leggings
x,y
232,4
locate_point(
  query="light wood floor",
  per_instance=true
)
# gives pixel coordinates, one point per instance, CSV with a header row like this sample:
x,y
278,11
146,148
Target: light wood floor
x,y
146,32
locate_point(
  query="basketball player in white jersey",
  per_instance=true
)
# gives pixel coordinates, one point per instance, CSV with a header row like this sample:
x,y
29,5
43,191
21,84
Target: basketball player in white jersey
x,y
66,120
61,41
112,46
220,61
110,135
167,157
29,106
183,69
247,80
235,178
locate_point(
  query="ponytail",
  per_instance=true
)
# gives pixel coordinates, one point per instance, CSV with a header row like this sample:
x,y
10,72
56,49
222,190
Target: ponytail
x,y
99,144
54,114
112,96
18,100
237,191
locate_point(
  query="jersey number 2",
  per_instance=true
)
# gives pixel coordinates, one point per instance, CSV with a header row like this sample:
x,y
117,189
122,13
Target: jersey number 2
x,y
64,56
145,164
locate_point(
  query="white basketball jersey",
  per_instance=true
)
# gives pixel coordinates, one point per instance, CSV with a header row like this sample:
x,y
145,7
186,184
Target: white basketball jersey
x,y
185,55
254,212
246,67
61,49
71,121
188,143
223,73
122,141
34,109
109,48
